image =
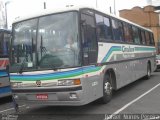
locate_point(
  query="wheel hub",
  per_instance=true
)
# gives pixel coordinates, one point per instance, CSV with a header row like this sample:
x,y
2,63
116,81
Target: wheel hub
x,y
108,88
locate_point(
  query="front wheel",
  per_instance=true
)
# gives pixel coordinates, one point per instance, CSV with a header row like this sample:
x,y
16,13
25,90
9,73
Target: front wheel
x,y
107,90
15,105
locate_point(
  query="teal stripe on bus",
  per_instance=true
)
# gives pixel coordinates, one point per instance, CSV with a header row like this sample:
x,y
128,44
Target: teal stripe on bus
x,y
112,49
72,73
144,49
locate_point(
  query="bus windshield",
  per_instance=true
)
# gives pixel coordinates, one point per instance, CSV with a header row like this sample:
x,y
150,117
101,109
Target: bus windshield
x,y
47,42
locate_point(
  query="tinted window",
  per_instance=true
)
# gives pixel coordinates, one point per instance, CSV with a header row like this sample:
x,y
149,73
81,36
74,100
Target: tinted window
x,y
136,37
147,38
143,37
4,43
89,43
151,38
128,33
117,30
7,38
100,28
103,28
108,31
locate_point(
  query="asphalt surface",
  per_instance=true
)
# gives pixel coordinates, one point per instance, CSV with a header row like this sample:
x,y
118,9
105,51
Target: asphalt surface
x,y
139,100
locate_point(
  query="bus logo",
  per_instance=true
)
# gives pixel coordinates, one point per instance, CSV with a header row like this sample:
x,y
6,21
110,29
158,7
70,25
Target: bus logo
x,y
38,83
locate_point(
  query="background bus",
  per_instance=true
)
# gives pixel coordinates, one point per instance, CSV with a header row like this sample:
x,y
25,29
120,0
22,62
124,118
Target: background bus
x,y
5,36
111,53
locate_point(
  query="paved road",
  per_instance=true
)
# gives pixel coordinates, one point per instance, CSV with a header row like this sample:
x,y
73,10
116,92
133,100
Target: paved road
x,y
140,97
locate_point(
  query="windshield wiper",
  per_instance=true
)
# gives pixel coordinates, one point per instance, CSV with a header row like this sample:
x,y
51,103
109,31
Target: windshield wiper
x,y
54,67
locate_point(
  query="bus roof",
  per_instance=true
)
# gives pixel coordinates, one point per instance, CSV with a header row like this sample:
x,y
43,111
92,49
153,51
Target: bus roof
x,y
71,8
47,12
5,30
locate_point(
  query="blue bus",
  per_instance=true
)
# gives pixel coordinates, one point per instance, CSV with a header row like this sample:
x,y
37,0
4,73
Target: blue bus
x,y
5,36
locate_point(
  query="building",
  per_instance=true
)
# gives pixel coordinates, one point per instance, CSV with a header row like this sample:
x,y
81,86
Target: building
x,y
147,17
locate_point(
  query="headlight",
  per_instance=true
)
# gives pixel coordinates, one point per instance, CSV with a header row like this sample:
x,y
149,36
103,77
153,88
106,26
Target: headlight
x,y
69,82
16,84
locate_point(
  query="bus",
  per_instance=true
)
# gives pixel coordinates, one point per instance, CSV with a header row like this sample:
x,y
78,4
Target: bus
x,y
5,36
109,53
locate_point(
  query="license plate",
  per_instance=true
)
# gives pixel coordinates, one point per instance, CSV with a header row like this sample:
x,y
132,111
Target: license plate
x,y
42,96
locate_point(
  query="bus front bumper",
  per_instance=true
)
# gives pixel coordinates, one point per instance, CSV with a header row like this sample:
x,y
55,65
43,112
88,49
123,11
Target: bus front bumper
x,y
50,96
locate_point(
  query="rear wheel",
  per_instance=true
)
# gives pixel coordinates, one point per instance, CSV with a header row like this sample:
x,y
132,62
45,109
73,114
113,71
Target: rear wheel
x,y
107,90
148,71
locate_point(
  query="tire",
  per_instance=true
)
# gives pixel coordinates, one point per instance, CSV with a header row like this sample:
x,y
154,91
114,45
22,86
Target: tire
x,y
147,77
16,106
107,90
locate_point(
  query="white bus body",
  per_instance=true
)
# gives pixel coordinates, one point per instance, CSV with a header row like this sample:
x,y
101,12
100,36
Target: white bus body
x,y
97,68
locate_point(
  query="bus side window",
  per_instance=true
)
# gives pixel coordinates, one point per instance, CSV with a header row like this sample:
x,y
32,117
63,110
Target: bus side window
x,y
89,43
147,38
108,30
143,37
128,33
136,37
100,27
117,30
6,43
151,39
103,28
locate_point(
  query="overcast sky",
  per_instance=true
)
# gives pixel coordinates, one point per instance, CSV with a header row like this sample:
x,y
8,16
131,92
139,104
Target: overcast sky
x,y
23,7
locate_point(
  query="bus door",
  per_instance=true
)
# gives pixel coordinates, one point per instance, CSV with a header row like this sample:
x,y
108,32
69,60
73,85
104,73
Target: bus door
x,y
89,42
90,50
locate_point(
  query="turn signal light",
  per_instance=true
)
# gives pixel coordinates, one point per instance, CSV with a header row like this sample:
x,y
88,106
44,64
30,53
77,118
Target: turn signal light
x,y
77,82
